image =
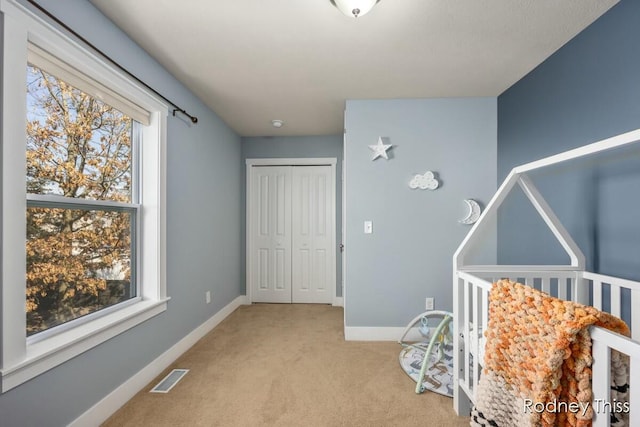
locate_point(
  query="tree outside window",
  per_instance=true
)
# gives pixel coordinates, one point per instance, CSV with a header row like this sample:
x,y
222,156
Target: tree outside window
x,y
80,220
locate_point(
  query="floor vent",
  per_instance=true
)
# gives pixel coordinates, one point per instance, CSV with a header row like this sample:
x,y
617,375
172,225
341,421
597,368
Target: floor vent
x,y
169,381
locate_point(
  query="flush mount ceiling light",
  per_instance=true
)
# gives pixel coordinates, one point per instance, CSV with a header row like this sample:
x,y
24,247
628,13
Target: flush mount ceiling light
x,y
277,123
354,8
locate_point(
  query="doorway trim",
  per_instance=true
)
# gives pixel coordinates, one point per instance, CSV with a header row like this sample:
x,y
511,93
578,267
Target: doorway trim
x,y
310,161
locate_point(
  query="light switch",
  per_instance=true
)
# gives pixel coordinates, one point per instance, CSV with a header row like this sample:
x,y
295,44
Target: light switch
x,y
368,227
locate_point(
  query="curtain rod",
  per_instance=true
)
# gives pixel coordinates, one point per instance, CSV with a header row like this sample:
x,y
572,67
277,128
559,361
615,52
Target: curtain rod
x,y
176,108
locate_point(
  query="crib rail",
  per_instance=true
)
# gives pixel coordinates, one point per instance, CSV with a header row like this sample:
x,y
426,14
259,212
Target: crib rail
x,y
616,296
472,315
603,341
560,282
606,293
469,324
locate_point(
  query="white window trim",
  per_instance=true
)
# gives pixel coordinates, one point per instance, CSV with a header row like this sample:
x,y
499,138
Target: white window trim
x,y
21,360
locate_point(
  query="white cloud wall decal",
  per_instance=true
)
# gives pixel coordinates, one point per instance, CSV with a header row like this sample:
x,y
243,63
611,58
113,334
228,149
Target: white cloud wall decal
x,y
426,181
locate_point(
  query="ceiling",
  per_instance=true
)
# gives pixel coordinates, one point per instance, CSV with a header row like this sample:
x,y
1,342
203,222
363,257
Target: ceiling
x,y
252,61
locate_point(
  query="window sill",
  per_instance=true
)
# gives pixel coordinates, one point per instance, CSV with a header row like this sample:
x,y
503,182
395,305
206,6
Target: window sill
x,y
53,351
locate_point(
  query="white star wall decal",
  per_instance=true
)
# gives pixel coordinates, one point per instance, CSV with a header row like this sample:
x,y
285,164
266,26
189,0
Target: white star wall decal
x,y
380,149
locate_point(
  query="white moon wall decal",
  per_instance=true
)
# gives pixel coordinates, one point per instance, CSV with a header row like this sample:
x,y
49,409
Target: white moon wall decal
x,y
473,214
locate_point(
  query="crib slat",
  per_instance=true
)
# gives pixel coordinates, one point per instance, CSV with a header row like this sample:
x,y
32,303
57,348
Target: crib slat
x,y
635,314
580,290
485,313
615,300
634,390
601,380
467,334
562,288
476,322
597,294
546,285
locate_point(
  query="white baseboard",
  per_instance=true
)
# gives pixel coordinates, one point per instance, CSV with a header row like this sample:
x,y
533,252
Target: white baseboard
x,y
102,410
359,333
338,302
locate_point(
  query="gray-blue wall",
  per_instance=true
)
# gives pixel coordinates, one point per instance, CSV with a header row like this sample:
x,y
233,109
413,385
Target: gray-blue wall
x,y
299,147
408,256
586,91
204,218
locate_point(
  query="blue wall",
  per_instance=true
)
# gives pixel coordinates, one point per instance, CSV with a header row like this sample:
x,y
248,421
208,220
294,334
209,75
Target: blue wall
x,y
388,274
298,147
586,91
204,220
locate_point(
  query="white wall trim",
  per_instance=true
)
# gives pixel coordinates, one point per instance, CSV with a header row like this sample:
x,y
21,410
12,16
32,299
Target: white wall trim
x,y
344,225
298,161
102,410
338,302
366,333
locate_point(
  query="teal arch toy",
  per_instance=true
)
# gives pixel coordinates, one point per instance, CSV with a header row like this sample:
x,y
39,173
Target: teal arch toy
x,y
429,363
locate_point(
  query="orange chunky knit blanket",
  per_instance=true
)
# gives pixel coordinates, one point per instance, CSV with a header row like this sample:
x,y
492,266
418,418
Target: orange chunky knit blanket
x,y
537,364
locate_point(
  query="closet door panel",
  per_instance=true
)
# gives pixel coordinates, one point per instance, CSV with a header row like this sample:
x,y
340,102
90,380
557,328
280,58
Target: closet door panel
x,y
270,219
312,205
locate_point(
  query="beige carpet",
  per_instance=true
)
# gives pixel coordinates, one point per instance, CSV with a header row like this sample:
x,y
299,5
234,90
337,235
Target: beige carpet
x,y
288,365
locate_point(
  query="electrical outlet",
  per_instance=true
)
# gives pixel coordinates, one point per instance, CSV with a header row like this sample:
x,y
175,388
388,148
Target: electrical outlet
x,y
207,297
429,303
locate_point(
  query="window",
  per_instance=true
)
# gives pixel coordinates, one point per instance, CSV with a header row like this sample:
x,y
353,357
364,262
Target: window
x,y
84,188
79,248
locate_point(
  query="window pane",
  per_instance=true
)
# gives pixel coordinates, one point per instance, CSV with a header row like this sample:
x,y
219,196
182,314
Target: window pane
x,y
78,262
77,146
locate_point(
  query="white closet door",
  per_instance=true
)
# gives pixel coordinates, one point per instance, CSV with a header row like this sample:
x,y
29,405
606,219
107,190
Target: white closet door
x,y
270,216
313,257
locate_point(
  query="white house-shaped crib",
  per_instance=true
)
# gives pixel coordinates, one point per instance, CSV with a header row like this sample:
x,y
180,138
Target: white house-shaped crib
x,y
471,285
